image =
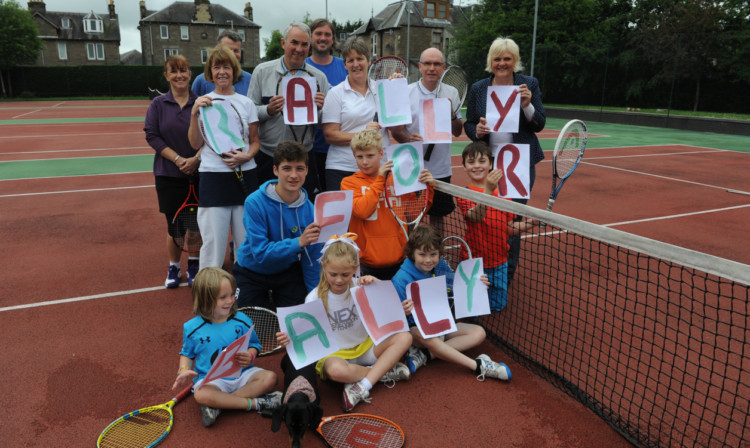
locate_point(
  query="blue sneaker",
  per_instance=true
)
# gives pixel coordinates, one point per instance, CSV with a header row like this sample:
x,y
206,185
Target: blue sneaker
x,y
173,277
192,270
415,358
492,369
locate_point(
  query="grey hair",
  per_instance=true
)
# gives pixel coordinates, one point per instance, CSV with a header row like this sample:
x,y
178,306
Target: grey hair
x,y
231,35
299,25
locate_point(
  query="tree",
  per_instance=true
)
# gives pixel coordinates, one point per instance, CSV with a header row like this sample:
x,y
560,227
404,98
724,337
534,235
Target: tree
x,y
273,46
19,38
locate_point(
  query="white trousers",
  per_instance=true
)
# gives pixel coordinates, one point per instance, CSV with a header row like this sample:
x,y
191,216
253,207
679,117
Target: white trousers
x,y
215,224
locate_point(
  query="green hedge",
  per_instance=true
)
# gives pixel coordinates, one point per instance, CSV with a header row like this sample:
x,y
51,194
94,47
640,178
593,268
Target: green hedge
x,y
89,80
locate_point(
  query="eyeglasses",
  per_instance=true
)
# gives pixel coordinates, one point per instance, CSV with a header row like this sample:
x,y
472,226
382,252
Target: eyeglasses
x,y
432,64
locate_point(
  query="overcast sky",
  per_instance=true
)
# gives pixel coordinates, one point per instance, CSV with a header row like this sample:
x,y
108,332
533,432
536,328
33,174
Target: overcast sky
x,y
269,14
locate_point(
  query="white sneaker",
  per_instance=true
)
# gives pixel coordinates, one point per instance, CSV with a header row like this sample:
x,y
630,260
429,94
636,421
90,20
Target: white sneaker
x,y
492,369
353,395
398,372
209,415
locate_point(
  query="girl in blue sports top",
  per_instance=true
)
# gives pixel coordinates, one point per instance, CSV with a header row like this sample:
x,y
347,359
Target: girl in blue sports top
x,y
216,326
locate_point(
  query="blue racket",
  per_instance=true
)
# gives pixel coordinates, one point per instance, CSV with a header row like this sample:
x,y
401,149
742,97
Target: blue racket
x,y
568,153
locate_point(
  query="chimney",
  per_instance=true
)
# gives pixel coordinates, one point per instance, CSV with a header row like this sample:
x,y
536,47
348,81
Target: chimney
x,y
144,11
37,6
112,14
248,11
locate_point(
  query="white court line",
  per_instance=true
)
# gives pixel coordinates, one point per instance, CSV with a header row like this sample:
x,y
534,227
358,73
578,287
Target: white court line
x,y
74,191
73,150
36,136
76,175
26,113
71,158
680,215
83,298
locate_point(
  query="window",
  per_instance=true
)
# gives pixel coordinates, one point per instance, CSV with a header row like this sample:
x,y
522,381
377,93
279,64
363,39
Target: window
x,y
430,10
92,24
437,40
95,52
442,11
184,32
164,30
66,22
62,51
241,32
374,40
170,51
204,56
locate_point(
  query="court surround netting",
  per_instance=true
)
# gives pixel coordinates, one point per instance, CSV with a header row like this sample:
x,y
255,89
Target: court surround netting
x,y
652,337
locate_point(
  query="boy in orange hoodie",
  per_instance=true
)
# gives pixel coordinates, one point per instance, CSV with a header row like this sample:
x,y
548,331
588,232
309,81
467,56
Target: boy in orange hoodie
x,y
381,238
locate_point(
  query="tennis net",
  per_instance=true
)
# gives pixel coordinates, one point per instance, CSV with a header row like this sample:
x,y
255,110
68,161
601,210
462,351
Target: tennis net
x,y
652,337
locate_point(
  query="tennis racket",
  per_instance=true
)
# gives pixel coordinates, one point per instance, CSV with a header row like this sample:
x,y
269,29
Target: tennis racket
x,y
186,234
226,133
569,149
453,78
145,427
455,250
360,430
384,68
266,326
298,72
409,208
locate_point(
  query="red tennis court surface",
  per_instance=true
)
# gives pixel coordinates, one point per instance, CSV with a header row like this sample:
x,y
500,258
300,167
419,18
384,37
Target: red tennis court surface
x,y
72,367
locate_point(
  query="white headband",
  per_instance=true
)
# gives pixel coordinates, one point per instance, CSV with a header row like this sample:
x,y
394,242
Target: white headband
x,y
347,238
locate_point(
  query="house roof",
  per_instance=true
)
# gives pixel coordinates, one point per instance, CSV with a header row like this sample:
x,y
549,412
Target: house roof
x,y
396,15
183,13
132,57
76,31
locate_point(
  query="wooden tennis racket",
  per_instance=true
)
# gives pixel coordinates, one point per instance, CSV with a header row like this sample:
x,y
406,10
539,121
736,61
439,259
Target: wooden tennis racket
x,y
266,325
145,427
359,431
185,231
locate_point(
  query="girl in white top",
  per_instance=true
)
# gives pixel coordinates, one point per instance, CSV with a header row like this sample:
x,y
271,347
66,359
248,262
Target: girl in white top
x,y
221,197
349,108
360,363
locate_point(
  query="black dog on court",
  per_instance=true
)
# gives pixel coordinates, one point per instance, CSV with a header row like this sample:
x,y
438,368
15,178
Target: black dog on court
x,y
300,409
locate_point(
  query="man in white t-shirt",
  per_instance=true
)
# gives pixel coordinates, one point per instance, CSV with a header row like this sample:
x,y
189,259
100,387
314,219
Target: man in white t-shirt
x,y
431,67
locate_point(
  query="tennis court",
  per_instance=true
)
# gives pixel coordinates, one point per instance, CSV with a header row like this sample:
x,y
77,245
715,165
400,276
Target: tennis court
x,y
91,333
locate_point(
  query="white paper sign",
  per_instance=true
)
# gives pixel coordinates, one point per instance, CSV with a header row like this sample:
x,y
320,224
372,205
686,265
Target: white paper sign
x,y
408,162
222,126
310,333
470,297
299,96
225,364
432,312
333,211
435,120
503,108
514,160
392,96
380,309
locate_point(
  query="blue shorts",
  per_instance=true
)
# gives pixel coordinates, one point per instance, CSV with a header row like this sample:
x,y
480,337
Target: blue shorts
x,y
498,277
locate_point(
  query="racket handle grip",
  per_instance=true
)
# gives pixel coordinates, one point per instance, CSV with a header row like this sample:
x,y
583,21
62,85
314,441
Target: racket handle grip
x,y
550,203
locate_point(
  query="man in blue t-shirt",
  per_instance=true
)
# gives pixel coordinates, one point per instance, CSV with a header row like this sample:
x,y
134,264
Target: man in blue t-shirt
x,y
322,58
234,41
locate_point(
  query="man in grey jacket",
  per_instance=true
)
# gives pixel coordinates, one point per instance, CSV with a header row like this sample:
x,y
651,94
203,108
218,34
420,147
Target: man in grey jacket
x,y
264,92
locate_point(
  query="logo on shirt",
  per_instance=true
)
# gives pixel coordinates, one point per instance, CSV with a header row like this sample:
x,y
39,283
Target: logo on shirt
x,y
344,318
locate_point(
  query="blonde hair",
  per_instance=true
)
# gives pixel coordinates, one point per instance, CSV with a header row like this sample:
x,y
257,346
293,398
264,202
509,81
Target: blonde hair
x,y
206,288
501,45
338,250
221,54
366,139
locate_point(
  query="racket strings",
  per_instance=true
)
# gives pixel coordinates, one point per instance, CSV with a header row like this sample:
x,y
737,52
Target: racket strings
x,y
266,325
456,78
361,432
187,235
139,430
568,152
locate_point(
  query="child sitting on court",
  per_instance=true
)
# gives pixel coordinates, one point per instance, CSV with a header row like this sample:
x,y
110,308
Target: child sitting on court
x,y
424,260
381,238
279,252
488,229
359,363
217,325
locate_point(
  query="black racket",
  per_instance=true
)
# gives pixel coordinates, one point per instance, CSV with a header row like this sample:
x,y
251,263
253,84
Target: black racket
x,y
453,78
223,131
568,153
266,324
185,231
409,208
359,431
384,68
295,128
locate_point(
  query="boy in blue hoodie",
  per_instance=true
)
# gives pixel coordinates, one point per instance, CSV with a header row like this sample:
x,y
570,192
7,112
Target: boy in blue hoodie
x,y
424,260
279,252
